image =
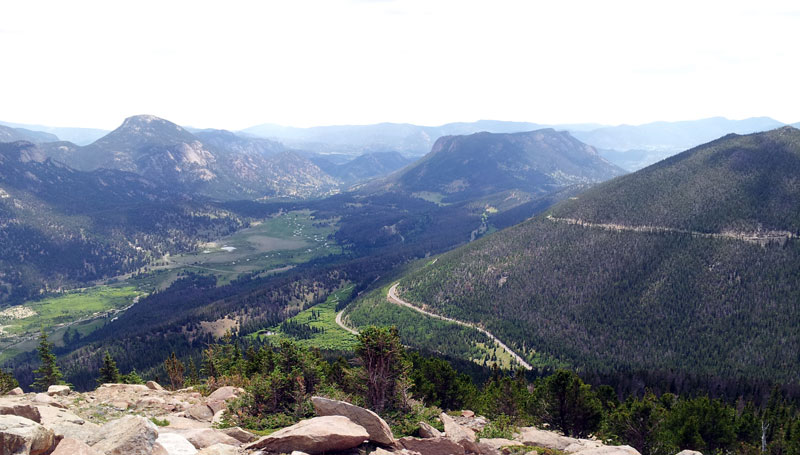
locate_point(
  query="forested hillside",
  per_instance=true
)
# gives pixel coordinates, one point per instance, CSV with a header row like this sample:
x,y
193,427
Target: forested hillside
x,y
611,298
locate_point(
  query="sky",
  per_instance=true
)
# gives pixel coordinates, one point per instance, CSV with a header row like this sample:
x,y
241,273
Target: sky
x,y
235,64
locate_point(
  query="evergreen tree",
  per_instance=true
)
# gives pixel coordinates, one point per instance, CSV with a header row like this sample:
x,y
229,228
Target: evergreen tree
x,y
132,378
48,373
109,374
7,382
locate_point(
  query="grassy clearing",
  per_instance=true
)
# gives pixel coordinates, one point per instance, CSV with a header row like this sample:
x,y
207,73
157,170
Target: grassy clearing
x,y
83,310
272,245
430,196
322,317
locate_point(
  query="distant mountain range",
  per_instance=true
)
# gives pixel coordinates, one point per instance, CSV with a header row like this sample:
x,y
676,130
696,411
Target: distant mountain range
x,y
628,146
80,136
9,134
460,168
688,267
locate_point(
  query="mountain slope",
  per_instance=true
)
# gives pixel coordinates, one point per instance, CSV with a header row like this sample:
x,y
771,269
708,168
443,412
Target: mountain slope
x,y
630,288
465,167
62,227
363,167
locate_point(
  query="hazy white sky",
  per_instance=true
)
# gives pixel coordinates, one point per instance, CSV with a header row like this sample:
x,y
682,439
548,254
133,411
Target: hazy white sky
x,y
232,64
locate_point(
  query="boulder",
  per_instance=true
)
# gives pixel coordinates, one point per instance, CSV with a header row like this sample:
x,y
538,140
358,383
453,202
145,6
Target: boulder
x,y
176,444
70,446
467,413
689,452
66,424
609,450
239,434
220,449
16,391
225,393
581,445
205,437
200,412
531,436
316,435
183,423
130,435
379,431
427,430
19,435
462,435
431,446
21,410
54,390
43,398
153,385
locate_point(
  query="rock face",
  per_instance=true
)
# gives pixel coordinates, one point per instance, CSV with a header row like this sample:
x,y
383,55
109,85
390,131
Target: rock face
x,y
462,435
432,446
379,431
70,446
130,435
19,435
316,435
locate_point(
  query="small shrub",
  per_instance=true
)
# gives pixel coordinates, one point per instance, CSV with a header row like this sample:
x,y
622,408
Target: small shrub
x,y
159,422
501,427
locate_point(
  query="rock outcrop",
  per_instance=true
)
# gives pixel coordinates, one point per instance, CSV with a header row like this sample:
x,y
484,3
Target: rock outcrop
x,y
313,436
432,446
379,431
130,435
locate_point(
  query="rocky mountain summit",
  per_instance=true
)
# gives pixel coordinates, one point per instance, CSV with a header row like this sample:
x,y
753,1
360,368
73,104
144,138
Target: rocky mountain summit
x,y
117,419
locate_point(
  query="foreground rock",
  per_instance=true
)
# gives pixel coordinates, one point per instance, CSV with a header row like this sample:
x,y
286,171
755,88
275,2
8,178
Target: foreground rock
x,y
609,450
462,435
19,435
130,435
70,446
205,437
313,436
66,424
21,410
176,444
379,431
220,449
432,446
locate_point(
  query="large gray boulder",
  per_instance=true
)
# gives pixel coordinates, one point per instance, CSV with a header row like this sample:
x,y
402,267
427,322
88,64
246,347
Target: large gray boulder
x,y
316,435
130,435
21,436
379,431
462,435
70,446
200,412
431,446
689,452
176,444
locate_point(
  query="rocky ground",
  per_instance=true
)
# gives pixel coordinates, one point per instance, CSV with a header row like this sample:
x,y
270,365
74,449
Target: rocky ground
x,y
120,419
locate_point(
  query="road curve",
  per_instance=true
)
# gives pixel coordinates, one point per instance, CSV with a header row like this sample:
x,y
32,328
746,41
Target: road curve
x,y
392,297
341,324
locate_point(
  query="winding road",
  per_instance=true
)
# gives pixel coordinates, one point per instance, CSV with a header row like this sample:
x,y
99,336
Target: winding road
x,y
392,296
341,324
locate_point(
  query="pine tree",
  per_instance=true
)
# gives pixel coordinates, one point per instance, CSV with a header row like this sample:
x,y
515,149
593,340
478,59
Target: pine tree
x,y
109,374
48,373
7,382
